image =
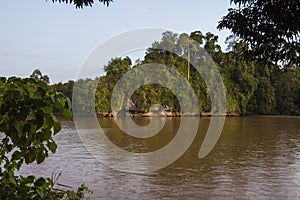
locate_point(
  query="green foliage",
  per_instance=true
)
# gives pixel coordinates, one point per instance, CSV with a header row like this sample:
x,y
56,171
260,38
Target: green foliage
x,y
251,87
27,124
287,91
270,30
82,94
240,80
37,74
116,68
103,96
65,88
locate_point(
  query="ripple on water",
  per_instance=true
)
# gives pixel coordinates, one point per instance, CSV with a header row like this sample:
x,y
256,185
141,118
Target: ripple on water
x,y
255,158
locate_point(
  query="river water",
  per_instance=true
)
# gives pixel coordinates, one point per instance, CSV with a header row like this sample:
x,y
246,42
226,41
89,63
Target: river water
x,y
256,157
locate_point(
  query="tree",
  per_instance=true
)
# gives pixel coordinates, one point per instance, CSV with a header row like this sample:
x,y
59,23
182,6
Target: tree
x,y
65,88
240,80
82,94
27,126
251,87
270,30
82,3
102,96
37,74
287,87
116,68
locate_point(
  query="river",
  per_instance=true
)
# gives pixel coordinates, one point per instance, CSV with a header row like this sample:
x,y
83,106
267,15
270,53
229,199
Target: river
x,y
256,157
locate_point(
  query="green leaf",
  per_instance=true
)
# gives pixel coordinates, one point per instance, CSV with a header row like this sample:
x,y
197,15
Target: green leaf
x,y
12,180
16,155
67,114
2,80
47,109
56,127
40,136
40,155
48,121
46,133
72,195
56,124
52,146
39,182
40,193
30,156
28,179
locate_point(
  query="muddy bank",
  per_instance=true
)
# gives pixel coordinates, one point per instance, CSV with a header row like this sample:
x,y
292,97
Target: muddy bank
x,y
167,114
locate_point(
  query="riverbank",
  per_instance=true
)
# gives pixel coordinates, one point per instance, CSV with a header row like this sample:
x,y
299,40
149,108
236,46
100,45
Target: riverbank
x,y
167,114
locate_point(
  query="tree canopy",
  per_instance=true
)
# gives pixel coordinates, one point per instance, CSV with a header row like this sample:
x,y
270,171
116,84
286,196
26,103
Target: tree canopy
x,y
82,3
270,29
37,74
251,87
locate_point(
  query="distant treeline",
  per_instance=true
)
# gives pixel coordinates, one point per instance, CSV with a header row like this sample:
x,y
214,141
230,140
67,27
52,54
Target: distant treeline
x,y
251,87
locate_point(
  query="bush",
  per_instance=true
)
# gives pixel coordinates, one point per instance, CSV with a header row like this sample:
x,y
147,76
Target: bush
x,y
27,126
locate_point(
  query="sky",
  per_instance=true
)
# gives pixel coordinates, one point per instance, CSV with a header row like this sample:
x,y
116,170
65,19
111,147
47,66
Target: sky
x,y
57,38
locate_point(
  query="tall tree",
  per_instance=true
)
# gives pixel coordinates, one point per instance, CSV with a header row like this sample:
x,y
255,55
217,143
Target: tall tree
x,y
116,68
37,74
239,78
65,88
287,89
269,28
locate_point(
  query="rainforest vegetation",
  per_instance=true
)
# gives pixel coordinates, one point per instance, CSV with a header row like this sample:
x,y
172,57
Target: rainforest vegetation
x,y
260,71
252,87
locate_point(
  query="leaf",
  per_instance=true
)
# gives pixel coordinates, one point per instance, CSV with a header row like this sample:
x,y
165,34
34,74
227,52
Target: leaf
x,y
39,182
67,114
40,193
12,180
2,80
30,156
56,124
48,121
52,146
28,179
40,136
72,195
40,155
56,127
16,155
47,109
46,134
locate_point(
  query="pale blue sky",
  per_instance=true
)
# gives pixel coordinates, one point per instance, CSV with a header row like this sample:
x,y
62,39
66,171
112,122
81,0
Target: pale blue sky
x,y
57,38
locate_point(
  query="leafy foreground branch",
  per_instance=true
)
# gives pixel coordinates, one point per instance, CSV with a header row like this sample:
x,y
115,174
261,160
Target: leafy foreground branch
x,y
27,126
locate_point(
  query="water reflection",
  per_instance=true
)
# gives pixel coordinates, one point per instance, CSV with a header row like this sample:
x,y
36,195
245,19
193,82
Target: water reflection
x,y
255,157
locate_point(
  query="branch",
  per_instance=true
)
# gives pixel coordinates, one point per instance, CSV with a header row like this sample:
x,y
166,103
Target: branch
x,y
82,3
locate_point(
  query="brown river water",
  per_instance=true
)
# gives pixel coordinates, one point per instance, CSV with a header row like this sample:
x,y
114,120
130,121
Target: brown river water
x,y
256,157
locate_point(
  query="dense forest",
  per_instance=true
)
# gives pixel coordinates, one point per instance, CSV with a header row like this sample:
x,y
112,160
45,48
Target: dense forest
x,y
251,87
260,70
